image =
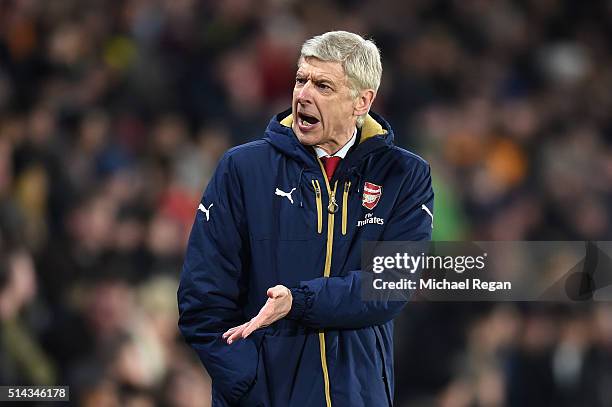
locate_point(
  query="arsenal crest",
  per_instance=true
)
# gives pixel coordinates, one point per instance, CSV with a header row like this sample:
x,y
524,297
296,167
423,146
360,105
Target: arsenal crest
x,y
371,195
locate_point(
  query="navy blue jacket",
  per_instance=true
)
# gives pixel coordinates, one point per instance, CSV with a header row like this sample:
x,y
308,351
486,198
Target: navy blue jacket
x,y
333,349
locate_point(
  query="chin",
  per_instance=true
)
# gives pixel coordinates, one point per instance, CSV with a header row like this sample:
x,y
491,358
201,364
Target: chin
x,y
307,139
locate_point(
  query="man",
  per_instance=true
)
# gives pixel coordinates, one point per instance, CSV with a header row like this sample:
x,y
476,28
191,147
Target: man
x,y
270,293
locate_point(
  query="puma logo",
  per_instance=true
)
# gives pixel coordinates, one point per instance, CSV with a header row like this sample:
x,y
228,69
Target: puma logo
x,y
285,194
426,209
205,210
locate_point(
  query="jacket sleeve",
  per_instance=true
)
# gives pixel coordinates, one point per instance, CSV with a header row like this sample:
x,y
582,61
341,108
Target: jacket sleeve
x,y
212,286
337,302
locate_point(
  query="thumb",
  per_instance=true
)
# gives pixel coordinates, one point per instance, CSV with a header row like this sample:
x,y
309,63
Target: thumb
x,y
275,292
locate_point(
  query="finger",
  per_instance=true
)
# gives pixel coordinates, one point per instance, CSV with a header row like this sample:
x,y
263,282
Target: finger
x,y
276,291
237,334
270,292
230,331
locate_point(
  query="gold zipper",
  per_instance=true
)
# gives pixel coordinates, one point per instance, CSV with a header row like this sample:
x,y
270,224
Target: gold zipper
x,y
347,186
325,371
317,188
332,208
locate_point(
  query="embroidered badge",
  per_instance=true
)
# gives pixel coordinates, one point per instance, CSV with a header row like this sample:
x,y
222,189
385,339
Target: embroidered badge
x,y
371,195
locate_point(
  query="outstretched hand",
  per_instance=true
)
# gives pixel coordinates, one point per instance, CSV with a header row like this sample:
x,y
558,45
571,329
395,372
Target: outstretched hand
x,y
276,307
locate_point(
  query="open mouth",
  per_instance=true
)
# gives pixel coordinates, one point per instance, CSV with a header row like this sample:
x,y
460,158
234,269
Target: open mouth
x,y
306,120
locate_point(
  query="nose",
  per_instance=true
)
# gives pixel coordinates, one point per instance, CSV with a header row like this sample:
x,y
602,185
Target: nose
x,y
304,94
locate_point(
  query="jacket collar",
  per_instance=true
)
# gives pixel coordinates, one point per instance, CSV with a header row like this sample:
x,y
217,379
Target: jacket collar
x,y
370,128
375,134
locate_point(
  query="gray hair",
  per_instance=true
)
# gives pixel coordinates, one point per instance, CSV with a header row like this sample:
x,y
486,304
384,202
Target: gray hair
x,y
360,59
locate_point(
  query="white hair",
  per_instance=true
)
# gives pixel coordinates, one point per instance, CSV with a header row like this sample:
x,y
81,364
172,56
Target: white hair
x,y
360,59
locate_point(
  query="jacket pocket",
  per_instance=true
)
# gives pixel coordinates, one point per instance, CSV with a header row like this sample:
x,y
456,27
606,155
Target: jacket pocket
x,y
281,356
256,395
319,204
384,374
345,195
292,367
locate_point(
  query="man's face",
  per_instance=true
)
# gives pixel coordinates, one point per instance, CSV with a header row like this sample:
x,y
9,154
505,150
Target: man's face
x,y
324,110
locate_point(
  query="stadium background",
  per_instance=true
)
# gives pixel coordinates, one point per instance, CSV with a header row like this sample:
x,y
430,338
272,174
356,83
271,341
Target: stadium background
x,y
113,115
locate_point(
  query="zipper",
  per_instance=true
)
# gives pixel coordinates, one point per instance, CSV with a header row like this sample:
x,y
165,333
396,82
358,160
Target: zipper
x,y
324,366
332,208
347,187
317,188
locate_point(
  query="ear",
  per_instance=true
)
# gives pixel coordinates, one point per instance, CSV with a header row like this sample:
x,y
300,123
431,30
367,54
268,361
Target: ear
x,y
364,101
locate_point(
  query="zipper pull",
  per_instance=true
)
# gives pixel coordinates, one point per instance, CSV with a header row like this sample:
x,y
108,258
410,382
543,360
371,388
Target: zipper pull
x,y
333,205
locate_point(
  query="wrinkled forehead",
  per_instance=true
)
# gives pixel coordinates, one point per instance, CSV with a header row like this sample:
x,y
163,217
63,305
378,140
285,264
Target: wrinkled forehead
x,y
322,69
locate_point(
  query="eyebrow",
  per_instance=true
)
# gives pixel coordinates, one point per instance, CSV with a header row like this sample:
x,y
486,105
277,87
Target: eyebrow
x,y
318,79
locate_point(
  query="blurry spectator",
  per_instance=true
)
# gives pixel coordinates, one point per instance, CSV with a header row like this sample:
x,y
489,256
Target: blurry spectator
x,y
22,359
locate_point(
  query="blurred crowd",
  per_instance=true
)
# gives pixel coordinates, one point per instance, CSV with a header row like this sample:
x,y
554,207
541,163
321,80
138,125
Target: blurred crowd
x,y
113,115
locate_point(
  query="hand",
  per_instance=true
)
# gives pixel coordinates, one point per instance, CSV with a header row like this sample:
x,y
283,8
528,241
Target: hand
x,y
276,307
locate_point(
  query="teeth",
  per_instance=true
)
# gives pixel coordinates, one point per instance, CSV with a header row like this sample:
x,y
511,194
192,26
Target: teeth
x,y
305,122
